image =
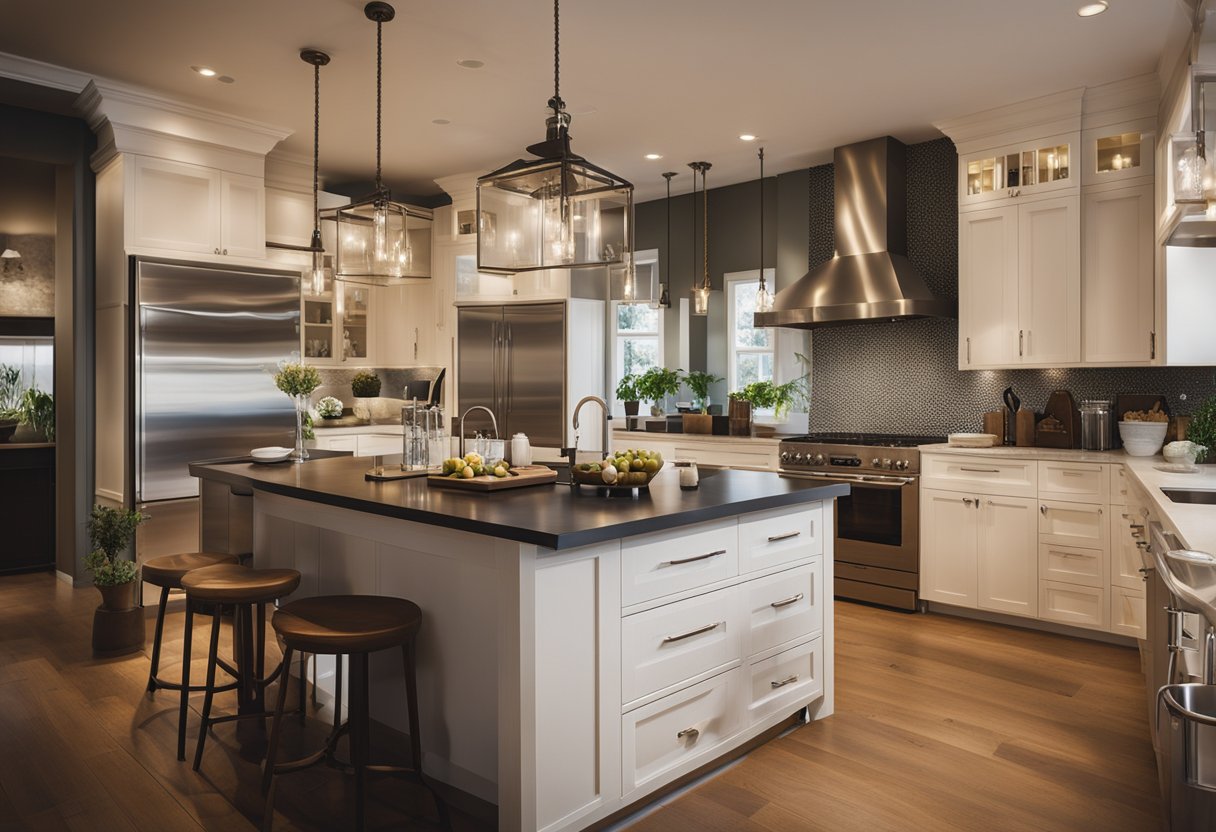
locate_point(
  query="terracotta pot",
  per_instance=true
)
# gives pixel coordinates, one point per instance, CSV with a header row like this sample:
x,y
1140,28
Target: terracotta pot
x,y
698,423
118,597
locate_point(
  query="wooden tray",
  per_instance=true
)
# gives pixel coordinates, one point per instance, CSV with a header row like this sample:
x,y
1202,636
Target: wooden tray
x,y
518,478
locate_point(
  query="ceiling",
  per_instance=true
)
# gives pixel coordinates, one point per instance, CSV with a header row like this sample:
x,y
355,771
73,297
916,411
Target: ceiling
x,y
682,78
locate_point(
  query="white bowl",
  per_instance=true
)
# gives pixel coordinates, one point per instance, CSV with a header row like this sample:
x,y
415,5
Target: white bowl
x,y
1142,438
272,453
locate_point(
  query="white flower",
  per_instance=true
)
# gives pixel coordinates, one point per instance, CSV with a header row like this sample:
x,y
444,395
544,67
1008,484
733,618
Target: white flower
x,y
329,408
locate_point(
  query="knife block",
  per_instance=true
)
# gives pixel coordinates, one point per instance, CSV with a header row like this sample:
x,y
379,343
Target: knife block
x,y
994,423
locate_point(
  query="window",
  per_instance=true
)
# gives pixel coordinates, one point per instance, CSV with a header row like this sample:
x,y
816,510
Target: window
x,y
751,349
638,341
34,357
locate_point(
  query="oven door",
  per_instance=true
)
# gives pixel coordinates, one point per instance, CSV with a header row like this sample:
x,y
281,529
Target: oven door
x,y
878,523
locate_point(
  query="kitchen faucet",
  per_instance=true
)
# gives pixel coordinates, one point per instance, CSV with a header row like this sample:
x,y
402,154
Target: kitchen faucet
x,y
493,422
573,452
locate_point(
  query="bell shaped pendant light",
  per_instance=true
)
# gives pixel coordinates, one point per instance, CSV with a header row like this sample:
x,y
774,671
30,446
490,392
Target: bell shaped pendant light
x,y
764,298
316,278
701,290
371,238
556,210
664,301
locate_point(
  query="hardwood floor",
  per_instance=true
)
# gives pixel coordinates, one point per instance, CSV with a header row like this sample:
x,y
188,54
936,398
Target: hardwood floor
x,y
941,724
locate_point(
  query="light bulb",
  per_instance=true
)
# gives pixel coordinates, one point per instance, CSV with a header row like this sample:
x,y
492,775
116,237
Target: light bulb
x,y
630,290
764,300
379,234
317,277
700,300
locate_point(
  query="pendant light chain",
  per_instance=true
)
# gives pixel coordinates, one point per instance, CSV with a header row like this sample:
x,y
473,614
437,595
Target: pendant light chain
x,y
762,282
557,57
379,75
705,232
693,276
316,149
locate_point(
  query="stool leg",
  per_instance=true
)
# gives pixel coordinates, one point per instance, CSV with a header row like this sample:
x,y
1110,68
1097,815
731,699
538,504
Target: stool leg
x,y
212,654
259,690
359,734
276,726
409,654
185,700
160,631
303,686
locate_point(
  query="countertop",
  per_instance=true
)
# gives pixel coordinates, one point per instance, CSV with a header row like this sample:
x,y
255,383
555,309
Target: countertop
x,y
1047,454
553,516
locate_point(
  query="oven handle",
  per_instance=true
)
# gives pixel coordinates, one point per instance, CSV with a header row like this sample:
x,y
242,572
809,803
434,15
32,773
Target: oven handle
x,y
851,479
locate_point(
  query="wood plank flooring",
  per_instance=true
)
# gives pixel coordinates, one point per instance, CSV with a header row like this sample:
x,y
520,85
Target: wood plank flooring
x,y
941,724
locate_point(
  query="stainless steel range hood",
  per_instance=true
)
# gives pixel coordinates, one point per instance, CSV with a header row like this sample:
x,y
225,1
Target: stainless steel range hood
x,y
870,278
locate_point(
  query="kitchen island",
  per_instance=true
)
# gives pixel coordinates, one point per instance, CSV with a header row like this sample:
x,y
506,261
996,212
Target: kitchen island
x,y
578,653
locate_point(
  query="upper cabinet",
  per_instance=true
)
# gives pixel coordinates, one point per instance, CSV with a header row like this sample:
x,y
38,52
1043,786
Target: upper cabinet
x,y
1056,230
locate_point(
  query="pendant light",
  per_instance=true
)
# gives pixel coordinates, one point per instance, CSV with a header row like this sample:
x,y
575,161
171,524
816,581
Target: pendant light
x,y
665,292
316,274
700,292
557,210
764,300
371,236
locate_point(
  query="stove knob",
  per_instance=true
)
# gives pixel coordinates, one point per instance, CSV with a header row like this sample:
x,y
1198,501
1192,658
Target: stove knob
x,y
818,460
798,457
886,463
785,456
901,465
874,463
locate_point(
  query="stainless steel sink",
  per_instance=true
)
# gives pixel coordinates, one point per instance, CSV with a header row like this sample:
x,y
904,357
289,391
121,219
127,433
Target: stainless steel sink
x,y
1191,495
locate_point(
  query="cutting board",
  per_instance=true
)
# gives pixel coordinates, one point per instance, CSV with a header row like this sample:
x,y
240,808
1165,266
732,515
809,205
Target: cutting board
x,y
520,477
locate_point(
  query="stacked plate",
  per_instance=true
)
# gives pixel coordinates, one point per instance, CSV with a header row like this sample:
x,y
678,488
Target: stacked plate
x,y
272,453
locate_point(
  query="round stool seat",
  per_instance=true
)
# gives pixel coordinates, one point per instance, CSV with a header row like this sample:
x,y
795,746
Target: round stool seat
x,y
331,624
231,584
167,571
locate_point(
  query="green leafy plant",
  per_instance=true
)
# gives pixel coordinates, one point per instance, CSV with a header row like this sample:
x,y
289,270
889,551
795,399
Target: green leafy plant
x,y
627,389
658,383
1202,427
297,379
365,385
110,531
10,391
698,382
37,409
779,398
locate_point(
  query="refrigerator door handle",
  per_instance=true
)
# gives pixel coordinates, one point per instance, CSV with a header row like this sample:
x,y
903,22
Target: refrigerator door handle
x,y
510,380
495,358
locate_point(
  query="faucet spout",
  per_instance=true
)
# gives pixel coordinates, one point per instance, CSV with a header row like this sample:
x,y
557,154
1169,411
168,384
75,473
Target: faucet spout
x,y
607,422
493,421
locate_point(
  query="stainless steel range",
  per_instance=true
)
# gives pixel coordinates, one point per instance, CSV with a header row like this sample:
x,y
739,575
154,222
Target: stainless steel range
x,y
878,524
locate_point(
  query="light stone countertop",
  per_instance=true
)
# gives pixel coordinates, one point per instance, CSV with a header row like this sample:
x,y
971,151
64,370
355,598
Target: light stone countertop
x,y
1046,454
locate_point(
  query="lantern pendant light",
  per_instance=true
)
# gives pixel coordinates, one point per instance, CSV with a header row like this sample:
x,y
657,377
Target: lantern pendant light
x,y
764,300
557,210
700,292
665,292
371,238
316,274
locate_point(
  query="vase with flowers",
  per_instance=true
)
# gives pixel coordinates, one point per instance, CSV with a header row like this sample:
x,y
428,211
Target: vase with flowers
x,y
298,381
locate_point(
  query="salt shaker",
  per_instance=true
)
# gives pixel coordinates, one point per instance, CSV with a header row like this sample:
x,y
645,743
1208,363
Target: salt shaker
x,y
521,450
690,478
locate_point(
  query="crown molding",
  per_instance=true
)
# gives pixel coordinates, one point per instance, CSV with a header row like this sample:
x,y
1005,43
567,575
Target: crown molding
x,y
459,186
290,172
1043,116
42,74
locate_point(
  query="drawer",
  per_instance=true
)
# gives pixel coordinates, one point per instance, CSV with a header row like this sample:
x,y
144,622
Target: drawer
x,y
1081,606
1127,612
677,560
1078,482
771,538
987,475
676,733
675,642
379,444
1072,565
1073,524
782,607
786,681
722,458
342,443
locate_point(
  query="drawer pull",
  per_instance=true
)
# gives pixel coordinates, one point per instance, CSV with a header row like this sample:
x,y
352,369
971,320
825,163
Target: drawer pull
x,y
691,633
776,537
1042,509
981,470
787,601
786,681
706,556
691,733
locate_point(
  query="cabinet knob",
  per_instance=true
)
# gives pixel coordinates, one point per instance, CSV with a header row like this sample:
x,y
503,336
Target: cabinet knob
x,y
217,251
967,501
225,251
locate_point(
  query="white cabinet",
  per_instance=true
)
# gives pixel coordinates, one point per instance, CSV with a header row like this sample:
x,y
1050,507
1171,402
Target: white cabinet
x,y
1127,612
1080,606
405,325
948,545
1018,170
339,324
1117,321
1049,281
1073,524
1008,569
1125,532
988,298
986,475
185,208
1079,482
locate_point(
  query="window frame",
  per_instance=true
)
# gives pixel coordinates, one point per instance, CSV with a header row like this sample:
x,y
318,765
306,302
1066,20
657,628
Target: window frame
x,y
731,281
618,351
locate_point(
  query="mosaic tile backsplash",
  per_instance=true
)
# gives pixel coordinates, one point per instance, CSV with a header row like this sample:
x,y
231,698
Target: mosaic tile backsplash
x,y
335,381
904,377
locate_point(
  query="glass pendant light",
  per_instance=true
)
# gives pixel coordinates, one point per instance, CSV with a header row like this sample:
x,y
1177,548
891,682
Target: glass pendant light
x,y
665,292
558,210
316,276
700,292
371,237
764,300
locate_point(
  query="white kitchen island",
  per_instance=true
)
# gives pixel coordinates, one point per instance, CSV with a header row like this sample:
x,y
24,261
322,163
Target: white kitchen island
x,y
578,653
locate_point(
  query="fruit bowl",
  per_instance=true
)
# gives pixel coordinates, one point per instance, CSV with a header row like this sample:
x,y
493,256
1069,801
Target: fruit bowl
x,y
643,466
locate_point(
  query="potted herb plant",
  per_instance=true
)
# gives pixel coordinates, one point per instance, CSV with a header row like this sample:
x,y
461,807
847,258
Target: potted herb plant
x,y
36,417
780,399
656,385
298,381
365,385
118,624
698,382
1202,429
10,398
627,392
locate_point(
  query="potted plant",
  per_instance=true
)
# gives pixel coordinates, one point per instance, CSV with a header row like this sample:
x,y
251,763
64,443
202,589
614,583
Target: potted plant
x,y
656,384
298,381
10,398
627,392
778,398
739,413
365,385
36,417
329,408
1202,429
118,623
698,382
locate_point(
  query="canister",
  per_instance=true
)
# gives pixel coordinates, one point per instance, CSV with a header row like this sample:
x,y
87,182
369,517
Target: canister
x,y
1097,428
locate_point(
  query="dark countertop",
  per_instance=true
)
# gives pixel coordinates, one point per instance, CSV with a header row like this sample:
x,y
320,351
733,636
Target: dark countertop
x,y
553,516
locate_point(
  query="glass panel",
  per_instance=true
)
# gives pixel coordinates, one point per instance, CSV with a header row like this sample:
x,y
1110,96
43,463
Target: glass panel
x,y
1053,163
1187,168
871,514
636,317
354,322
639,354
1013,171
1028,168
34,357
973,177
1119,152
318,328
753,366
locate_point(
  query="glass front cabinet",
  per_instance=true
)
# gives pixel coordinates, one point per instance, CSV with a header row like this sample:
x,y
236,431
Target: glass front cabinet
x,y
336,322
1020,170
1118,153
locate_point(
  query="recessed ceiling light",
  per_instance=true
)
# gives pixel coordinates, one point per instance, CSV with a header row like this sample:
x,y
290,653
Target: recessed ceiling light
x,y
205,71
747,137
653,156
470,63
1091,9
226,79
441,121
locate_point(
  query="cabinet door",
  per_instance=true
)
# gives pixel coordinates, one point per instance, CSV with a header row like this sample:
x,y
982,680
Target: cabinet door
x,y
353,343
242,216
1125,562
1008,568
1117,287
1049,281
948,525
176,206
988,287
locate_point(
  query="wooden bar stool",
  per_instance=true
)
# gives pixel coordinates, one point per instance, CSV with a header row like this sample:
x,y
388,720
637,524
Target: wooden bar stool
x,y
244,589
354,626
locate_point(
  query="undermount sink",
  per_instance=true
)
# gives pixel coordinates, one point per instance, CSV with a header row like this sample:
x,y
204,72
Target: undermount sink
x,y
1205,496
1194,579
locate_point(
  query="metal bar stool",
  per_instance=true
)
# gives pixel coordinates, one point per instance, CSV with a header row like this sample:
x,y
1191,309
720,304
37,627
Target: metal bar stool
x,y
353,626
244,589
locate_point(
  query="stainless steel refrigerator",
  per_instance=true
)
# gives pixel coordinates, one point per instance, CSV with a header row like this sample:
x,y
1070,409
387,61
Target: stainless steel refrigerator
x,y
206,344
512,359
